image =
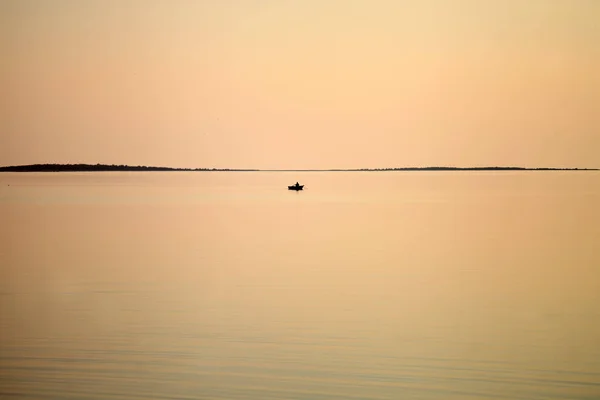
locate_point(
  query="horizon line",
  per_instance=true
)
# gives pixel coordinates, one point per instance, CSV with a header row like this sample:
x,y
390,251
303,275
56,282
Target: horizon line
x,y
80,167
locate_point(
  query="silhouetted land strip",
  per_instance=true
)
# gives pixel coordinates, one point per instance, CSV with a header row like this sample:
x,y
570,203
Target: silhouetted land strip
x,y
105,168
100,168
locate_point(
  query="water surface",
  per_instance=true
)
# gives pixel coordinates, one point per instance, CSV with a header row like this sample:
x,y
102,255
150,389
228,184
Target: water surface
x,y
366,285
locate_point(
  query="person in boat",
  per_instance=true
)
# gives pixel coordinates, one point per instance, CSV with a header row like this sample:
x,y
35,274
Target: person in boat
x,y
297,184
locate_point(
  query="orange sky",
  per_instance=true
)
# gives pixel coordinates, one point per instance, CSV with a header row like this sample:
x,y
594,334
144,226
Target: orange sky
x,y
300,84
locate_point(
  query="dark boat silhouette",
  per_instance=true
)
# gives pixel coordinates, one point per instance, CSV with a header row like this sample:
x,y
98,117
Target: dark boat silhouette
x,y
297,186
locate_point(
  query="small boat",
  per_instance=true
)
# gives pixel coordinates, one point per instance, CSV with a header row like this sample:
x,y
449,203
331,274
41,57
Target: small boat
x,y
297,186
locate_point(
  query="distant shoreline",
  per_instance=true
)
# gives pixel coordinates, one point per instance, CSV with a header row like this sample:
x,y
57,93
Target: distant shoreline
x,y
129,168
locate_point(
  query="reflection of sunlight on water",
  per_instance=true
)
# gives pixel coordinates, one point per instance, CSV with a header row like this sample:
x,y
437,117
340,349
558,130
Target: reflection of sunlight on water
x,y
379,286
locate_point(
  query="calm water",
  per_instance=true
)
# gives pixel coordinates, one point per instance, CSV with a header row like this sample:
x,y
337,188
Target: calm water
x,y
364,286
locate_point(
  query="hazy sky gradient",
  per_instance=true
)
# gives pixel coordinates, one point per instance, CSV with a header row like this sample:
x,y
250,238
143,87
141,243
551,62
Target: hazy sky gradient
x,y
300,84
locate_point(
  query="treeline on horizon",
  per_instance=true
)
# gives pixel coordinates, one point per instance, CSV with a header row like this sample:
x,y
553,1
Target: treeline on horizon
x,y
97,167
104,167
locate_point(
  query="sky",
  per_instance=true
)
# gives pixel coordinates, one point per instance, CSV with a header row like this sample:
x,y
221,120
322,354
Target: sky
x,y
300,84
